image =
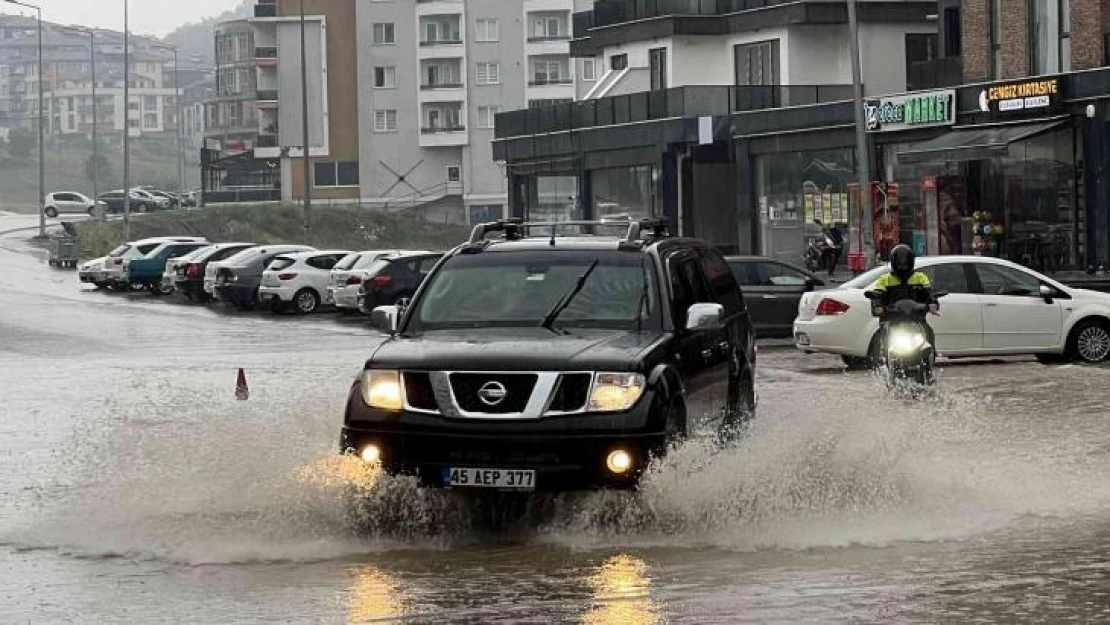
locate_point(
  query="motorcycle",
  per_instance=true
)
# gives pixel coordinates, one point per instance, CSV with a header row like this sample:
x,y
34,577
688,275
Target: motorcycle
x,y
906,355
823,251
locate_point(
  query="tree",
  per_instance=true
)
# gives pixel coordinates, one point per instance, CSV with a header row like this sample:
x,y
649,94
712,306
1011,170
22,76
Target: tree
x,y
98,168
21,142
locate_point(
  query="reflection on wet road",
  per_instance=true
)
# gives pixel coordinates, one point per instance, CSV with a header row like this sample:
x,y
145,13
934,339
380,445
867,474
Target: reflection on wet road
x,y
135,488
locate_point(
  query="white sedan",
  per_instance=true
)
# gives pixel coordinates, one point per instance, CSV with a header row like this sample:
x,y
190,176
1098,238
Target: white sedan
x,y
993,307
299,278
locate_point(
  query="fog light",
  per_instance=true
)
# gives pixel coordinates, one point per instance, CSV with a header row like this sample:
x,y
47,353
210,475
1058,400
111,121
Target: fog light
x,y
371,454
619,461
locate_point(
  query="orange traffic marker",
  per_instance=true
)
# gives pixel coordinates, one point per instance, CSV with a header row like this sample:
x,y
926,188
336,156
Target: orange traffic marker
x,y
242,393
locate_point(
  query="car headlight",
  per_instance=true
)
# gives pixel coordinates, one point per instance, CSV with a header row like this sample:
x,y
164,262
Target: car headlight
x,y
614,392
906,342
382,389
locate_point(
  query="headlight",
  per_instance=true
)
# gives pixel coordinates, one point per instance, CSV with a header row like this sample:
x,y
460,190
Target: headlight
x,y
382,389
614,392
906,342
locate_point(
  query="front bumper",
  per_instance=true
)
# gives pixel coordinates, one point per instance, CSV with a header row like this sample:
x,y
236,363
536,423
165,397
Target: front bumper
x,y
567,452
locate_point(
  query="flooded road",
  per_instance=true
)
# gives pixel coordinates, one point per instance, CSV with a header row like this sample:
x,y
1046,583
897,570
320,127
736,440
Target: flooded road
x,y
135,488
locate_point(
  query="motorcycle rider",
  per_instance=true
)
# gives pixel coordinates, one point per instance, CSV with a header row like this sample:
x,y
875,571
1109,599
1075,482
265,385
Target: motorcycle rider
x,y
903,282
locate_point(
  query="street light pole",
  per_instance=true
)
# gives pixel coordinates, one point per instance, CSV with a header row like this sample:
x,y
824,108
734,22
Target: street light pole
x,y
177,107
307,209
42,132
126,127
95,114
863,154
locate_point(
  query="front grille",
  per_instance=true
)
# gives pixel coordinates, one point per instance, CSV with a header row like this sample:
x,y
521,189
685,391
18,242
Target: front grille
x,y
418,391
570,393
518,390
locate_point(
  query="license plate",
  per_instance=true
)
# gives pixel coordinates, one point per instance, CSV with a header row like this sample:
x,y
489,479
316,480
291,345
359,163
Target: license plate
x,y
515,479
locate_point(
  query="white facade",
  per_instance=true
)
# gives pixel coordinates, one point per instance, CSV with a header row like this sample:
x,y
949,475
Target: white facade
x,y
151,111
431,76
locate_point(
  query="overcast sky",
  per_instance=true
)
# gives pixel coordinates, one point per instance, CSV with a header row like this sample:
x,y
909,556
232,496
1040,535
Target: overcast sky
x,y
148,17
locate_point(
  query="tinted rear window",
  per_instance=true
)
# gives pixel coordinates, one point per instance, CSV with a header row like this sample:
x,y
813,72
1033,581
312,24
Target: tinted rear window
x,y
227,252
145,249
377,267
280,263
366,260
348,261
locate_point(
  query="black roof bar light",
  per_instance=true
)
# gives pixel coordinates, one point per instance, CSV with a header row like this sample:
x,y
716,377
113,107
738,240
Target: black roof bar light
x,y
516,228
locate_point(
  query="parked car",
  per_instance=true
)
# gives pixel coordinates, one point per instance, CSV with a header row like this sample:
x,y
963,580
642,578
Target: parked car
x,y
238,277
145,272
169,275
172,198
772,290
68,202
190,279
993,307
393,278
113,200
153,202
522,365
191,198
107,271
298,280
346,277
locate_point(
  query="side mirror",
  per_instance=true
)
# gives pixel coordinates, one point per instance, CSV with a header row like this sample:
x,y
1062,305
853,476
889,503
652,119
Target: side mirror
x,y
1047,293
873,295
384,319
705,317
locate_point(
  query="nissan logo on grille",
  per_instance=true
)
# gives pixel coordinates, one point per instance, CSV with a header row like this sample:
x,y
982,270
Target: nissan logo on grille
x,y
492,393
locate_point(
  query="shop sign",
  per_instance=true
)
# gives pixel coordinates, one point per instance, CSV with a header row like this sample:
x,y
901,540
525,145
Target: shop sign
x,y
914,110
1031,95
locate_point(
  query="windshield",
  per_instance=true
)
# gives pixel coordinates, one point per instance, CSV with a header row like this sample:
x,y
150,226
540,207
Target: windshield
x,y
347,261
521,288
120,251
865,280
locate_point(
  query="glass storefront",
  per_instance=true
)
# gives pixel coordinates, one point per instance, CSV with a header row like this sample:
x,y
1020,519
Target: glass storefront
x,y
625,191
795,188
548,197
1020,202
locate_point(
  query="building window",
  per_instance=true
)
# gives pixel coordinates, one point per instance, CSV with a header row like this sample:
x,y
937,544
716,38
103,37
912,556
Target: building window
x,y
757,63
385,77
150,121
657,61
1047,34
996,39
953,46
385,120
454,173
384,34
547,72
485,29
547,27
484,213
486,115
488,74
150,102
332,174
618,62
589,70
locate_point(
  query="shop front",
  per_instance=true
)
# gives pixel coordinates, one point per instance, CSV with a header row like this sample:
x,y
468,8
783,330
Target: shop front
x,y
1004,181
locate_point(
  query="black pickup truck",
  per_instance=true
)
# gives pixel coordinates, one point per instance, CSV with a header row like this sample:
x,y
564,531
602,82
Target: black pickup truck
x,y
543,362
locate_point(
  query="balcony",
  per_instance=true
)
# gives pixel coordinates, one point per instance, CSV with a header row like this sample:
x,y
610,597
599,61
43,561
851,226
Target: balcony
x,y
609,12
266,98
432,130
679,102
267,141
266,55
441,85
425,43
543,82
549,38
265,9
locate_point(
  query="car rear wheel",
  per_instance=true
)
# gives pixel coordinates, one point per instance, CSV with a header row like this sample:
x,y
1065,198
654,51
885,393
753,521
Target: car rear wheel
x,y
91,211
1090,341
51,212
306,301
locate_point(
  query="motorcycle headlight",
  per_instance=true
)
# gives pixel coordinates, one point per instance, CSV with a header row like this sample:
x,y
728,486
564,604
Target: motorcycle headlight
x,y
382,389
615,392
906,342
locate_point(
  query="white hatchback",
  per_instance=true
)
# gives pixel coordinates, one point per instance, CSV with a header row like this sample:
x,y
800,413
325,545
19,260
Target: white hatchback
x,y
993,307
300,279
346,277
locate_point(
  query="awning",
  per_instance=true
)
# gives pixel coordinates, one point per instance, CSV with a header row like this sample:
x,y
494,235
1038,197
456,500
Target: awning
x,y
973,143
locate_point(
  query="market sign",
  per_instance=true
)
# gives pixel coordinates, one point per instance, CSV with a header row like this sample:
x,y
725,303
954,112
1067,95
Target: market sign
x,y
913,110
1027,96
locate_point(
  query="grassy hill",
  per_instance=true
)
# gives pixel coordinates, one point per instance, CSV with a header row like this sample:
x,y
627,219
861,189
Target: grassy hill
x,y
334,227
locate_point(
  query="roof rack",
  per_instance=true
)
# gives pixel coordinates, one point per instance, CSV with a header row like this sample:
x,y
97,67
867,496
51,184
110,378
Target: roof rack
x,y
516,228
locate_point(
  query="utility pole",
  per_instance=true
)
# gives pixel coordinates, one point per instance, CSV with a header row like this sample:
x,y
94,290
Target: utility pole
x,y
180,133
92,66
863,154
126,128
306,211
42,131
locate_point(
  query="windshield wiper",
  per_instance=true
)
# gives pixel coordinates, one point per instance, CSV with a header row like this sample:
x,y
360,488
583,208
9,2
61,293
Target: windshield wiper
x,y
565,300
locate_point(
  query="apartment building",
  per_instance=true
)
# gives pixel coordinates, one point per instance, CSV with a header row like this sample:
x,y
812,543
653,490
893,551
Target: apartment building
x,y
432,75
332,94
230,116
